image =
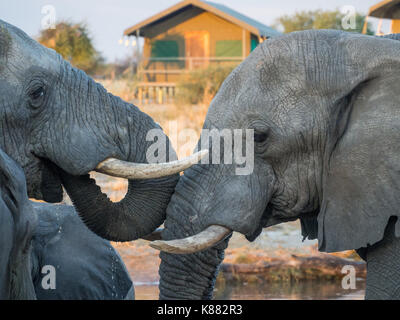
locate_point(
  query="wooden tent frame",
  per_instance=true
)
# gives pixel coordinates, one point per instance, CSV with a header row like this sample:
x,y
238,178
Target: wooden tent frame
x,y
137,28
383,10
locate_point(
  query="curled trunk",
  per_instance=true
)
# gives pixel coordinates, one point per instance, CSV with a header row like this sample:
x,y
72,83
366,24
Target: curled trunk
x,y
137,215
189,276
123,128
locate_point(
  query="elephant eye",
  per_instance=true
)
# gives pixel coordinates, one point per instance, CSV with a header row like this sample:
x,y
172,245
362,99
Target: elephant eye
x,y
260,137
37,96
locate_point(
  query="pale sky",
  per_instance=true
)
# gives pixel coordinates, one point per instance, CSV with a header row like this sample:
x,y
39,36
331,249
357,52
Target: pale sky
x,y
107,19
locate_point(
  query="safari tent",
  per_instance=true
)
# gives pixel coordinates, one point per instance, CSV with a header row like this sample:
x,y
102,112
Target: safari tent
x,y
388,9
193,34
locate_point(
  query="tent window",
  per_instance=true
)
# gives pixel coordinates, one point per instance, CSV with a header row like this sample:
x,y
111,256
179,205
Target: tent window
x,y
229,48
164,49
254,43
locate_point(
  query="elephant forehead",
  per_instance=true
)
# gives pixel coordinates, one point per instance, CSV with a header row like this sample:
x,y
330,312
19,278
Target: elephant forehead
x,y
238,97
21,52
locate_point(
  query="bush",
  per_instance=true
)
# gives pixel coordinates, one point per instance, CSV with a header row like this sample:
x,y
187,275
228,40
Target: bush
x,y
320,19
200,86
73,42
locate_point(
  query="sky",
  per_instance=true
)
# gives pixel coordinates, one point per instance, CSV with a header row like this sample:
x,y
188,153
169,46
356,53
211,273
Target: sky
x,y
107,19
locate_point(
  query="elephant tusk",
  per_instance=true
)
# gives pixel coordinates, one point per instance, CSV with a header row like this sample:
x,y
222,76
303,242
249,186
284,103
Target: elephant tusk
x,y
201,241
129,170
155,235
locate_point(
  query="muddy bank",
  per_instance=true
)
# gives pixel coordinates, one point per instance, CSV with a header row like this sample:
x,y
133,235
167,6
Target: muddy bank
x,y
255,274
242,265
322,267
303,290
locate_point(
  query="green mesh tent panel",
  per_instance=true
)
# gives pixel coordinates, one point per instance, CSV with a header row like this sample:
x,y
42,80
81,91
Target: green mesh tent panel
x,y
254,44
164,49
228,48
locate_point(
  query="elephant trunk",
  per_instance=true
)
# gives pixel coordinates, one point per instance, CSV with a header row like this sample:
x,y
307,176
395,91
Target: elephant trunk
x,y
188,276
210,201
143,208
137,215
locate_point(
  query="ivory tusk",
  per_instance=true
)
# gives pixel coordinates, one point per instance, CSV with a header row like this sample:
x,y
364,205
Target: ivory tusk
x,y
155,235
201,241
129,170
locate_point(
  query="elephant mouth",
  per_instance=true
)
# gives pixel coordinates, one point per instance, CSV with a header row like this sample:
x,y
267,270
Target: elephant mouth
x,y
51,185
214,234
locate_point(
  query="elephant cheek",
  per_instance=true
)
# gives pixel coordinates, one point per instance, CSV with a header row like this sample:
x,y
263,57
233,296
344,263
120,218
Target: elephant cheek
x,y
242,205
51,185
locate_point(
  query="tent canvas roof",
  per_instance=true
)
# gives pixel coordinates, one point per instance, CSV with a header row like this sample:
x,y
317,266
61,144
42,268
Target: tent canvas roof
x,y
223,11
387,9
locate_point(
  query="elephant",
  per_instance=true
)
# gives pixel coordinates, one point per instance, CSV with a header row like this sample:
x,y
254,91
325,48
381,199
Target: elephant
x,y
322,111
38,236
85,266
17,224
58,124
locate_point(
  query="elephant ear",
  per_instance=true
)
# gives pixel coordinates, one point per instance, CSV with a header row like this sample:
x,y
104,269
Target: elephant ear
x,y
361,183
309,223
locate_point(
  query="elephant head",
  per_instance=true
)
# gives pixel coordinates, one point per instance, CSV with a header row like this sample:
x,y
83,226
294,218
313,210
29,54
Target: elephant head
x,y
59,125
324,110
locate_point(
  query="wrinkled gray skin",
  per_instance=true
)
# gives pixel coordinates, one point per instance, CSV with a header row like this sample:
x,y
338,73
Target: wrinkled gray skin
x,y
18,221
35,235
325,107
59,124
87,267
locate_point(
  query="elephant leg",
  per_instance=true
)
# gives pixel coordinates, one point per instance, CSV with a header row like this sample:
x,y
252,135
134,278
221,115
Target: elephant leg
x,y
383,267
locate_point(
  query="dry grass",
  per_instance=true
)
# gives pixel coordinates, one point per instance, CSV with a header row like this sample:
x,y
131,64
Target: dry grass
x,y
122,88
114,188
200,85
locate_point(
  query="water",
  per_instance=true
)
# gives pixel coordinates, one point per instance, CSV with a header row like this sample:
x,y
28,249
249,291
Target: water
x,y
304,290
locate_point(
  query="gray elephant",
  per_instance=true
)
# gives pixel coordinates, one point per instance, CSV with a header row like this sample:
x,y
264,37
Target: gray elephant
x,y
39,236
324,108
85,266
58,125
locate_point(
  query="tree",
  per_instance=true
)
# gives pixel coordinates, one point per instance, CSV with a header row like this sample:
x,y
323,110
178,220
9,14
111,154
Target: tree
x,y
319,19
73,42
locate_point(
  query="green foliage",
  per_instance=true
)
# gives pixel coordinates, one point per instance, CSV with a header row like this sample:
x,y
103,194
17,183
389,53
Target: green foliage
x,y
73,42
319,19
200,86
